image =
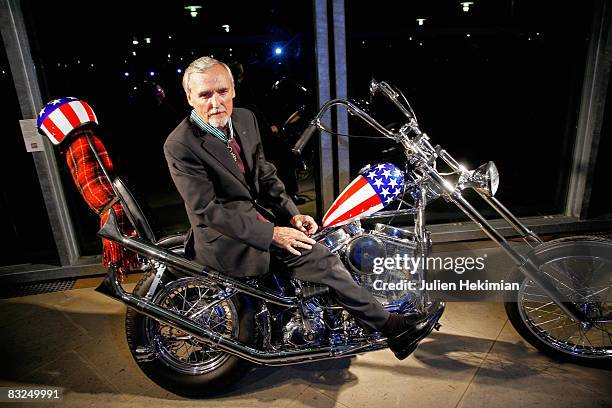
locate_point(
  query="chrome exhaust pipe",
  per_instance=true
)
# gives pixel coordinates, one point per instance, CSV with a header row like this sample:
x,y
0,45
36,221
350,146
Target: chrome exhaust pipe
x,y
111,287
110,230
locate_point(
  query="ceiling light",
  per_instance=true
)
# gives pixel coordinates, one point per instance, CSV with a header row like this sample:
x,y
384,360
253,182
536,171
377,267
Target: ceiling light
x,y
193,10
466,5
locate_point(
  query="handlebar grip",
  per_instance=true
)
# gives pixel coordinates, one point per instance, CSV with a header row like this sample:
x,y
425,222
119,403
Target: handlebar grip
x,y
303,140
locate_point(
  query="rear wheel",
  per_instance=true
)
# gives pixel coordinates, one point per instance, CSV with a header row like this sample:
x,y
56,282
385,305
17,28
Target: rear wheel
x,y
176,361
581,270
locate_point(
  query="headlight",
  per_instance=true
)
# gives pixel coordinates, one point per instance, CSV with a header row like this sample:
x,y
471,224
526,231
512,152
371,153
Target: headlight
x,y
484,179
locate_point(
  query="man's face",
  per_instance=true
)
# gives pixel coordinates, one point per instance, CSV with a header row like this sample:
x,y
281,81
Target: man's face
x,y
211,95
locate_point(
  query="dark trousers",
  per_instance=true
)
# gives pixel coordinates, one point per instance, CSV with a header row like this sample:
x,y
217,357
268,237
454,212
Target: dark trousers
x,y
319,265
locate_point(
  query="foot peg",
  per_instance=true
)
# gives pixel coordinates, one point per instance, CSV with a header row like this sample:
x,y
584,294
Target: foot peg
x,y
437,326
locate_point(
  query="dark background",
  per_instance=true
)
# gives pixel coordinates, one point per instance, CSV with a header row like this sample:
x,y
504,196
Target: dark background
x,y
24,225
87,50
499,82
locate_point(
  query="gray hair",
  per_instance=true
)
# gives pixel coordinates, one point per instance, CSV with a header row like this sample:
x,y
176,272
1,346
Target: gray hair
x,y
200,66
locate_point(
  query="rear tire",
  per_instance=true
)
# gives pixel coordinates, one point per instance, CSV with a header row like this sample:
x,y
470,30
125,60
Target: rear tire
x,y
168,368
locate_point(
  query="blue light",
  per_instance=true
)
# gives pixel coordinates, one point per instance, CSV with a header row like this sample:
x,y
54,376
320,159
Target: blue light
x,y
126,74
178,70
151,73
278,50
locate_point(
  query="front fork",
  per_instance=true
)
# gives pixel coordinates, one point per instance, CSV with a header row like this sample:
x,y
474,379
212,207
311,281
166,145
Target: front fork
x,y
526,266
424,241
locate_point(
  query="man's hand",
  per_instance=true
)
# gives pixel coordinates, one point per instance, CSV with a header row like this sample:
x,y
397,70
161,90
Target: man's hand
x,y
290,238
304,223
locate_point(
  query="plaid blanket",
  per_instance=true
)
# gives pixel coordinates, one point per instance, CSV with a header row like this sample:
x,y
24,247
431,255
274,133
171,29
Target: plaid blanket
x,y
95,188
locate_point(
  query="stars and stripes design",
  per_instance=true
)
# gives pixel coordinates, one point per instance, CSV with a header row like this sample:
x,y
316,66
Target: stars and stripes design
x,y
373,189
61,116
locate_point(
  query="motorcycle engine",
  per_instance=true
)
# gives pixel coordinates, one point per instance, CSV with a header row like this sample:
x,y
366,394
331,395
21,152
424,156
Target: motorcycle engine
x,y
396,282
307,327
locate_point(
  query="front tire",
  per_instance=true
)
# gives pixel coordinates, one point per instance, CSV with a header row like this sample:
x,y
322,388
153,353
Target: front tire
x,y
581,270
178,362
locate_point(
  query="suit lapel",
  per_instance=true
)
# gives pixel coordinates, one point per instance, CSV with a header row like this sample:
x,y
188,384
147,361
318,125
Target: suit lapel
x,y
217,149
245,144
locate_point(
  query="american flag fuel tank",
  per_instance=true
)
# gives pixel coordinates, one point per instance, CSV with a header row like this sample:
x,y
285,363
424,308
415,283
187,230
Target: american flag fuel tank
x,y
374,188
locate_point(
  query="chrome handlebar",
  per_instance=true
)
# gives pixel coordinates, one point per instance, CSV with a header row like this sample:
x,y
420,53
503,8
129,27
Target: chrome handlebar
x,y
417,147
352,108
355,110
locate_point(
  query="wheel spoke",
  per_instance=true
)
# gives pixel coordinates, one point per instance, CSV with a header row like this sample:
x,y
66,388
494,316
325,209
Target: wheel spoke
x,y
583,334
544,305
193,298
548,321
599,291
539,295
583,276
546,311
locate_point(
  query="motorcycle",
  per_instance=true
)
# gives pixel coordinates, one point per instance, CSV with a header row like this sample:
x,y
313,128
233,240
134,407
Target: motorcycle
x,y
196,332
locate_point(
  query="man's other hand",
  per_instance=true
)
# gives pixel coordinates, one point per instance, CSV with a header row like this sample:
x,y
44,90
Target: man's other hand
x,y
290,238
304,223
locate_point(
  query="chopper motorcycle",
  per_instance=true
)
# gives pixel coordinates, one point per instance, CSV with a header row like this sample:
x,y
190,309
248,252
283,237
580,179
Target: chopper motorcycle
x,y
196,332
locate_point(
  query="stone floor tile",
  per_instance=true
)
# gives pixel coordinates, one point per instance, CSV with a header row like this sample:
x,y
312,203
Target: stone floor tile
x,y
15,309
36,340
81,382
76,339
89,301
311,398
514,373
436,375
274,386
111,357
12,312
481,319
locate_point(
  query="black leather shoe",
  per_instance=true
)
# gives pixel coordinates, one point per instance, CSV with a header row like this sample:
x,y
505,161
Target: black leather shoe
x,y
419,326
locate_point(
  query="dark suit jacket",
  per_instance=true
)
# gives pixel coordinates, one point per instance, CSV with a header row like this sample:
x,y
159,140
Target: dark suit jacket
x,y
221,202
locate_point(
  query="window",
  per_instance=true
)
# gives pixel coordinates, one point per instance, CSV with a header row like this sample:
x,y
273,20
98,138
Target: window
x,y
26,231
488,80
127,59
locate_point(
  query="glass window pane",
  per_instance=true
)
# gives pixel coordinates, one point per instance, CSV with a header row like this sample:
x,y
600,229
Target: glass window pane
x,y
600,193
126,60
494,81
25,228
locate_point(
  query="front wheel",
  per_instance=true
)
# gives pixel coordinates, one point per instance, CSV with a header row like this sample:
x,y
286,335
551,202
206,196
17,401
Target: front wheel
x,y
581,270
177,361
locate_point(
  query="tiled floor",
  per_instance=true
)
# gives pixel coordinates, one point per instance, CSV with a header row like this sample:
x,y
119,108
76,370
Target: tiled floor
x,y
75,339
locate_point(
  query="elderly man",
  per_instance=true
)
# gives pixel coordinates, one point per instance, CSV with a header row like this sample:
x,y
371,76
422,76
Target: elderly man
x,y
217,163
